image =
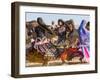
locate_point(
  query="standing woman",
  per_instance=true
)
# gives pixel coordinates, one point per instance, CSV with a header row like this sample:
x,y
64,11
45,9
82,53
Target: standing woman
x,y
61,32
73,37
84,32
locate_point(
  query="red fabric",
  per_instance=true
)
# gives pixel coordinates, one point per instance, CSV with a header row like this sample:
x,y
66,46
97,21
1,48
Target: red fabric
x,y
63,56
67,53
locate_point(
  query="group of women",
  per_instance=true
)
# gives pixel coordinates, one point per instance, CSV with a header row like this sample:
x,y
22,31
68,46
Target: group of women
x,y
62,40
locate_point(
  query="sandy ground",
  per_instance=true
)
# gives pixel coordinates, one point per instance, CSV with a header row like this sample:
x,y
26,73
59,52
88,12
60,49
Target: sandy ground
x,y
74,61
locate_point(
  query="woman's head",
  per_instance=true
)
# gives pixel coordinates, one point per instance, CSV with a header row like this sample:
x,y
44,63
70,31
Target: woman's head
x,y
70,25
40,20
34,24
88,26
60,22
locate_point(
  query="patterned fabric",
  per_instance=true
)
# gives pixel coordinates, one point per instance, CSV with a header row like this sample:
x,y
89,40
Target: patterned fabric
x,y
84,39
61,35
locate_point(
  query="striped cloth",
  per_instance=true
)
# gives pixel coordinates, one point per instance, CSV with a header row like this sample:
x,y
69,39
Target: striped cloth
x,y
84,40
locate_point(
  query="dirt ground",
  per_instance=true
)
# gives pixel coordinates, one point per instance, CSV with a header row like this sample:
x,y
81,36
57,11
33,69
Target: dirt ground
x,y
74,61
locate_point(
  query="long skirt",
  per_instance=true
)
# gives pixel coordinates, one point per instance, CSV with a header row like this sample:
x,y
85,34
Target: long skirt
x,y
85,51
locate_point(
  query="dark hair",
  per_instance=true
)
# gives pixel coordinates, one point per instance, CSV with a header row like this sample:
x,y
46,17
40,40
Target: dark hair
x,y
88,23
39,20
88,26
60,20
68,22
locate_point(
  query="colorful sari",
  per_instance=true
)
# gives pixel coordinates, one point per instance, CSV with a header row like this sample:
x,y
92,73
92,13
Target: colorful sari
x,y
84,40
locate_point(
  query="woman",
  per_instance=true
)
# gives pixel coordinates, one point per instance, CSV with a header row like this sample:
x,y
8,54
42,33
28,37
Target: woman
x,y
73,37
61,32
85,38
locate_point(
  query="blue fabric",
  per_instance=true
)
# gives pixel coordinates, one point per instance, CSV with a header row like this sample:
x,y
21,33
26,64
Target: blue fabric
x,y
84,34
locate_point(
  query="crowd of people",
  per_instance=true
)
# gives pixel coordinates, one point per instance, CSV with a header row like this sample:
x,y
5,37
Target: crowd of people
x,y
62,40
